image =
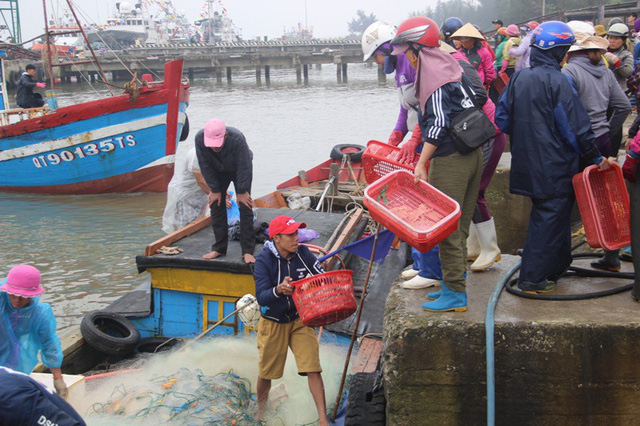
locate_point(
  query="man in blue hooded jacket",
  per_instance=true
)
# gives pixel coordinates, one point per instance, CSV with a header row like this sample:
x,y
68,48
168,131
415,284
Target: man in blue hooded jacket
x,y
281,262
550,132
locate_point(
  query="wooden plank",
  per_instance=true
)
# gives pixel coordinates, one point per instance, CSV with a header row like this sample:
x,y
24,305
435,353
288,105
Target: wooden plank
x,y
181,233
275,200
368,356
346,233
303,178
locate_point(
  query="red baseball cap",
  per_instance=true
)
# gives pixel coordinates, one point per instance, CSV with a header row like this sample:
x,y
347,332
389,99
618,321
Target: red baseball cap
x,y
284,225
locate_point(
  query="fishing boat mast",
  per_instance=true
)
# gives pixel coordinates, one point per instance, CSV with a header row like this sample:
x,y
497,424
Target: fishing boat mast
x,y
48,46
86,40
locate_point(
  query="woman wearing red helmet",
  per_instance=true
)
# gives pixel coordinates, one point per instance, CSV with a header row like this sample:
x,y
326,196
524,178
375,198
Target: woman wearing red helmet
x,y
441,98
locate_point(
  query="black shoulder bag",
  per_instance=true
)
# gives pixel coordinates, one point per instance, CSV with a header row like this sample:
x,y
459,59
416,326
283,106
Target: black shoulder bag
x,y
471,128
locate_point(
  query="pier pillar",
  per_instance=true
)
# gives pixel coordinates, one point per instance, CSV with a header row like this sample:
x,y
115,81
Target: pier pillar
x,y
258,75
79,78
299,74
339,72
190,73
267,74
218,75
114,76
382,76
344,72
305,73
228,74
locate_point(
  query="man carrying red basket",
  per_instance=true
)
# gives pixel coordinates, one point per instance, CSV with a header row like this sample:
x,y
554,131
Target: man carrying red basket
x,y
283,261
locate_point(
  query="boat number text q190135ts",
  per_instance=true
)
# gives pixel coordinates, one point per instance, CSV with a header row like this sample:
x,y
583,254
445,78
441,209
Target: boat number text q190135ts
x,y
83,151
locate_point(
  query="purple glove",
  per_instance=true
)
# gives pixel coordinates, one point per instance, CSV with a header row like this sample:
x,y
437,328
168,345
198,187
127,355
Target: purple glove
x,y
396,137
629,168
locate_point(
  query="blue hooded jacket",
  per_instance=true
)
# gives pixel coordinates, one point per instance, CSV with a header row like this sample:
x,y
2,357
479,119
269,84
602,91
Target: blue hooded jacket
x,y
25,402
549,128
270,271
24,332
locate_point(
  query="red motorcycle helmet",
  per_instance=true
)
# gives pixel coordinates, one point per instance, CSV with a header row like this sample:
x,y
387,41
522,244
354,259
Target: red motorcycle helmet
x,y
532,24
419,30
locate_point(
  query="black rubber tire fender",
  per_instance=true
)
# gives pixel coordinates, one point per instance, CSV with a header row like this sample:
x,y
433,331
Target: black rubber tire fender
x,y
353,151
185,129
365,406
109,333
150,344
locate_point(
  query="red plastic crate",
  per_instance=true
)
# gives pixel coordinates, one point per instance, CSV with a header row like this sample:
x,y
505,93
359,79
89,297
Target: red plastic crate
x,y
324,299
603,202
380,159
419,214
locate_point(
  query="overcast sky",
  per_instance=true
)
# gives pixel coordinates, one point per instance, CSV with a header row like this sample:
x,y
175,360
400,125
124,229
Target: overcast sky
x,y
255,17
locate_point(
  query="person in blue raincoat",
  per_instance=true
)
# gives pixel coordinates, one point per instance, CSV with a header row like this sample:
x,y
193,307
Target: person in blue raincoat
x,y
28,326
550,133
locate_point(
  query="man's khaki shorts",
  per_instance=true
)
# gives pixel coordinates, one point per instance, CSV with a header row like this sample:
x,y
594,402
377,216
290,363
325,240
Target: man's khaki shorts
x,y
275,338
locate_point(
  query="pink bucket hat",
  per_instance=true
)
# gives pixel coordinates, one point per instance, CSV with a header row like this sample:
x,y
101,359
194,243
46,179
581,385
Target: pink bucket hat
x,y
513,30
214,132
24,281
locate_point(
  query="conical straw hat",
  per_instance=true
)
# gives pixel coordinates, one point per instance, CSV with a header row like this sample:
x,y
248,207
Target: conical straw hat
x,y
445,47
468,30
585,42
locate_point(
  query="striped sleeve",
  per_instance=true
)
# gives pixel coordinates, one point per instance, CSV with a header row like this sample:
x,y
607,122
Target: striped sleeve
x,y
436,118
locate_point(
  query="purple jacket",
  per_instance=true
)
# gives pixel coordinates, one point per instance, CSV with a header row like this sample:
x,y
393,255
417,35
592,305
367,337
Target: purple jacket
x,y
405,74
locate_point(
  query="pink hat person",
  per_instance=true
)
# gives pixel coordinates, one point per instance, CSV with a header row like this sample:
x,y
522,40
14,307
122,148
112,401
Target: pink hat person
x,y
23,281
214,132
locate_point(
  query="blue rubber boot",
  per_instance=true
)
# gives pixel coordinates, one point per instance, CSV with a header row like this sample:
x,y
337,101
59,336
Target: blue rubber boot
x,y
449,301
435,294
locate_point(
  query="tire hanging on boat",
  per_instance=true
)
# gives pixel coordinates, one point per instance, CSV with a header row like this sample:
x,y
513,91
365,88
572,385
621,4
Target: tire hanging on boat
x,y
185,129
353,151
156,344
110,333
365,405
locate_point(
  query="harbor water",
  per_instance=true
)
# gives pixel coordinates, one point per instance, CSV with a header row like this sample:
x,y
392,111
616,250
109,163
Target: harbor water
x,y
85,245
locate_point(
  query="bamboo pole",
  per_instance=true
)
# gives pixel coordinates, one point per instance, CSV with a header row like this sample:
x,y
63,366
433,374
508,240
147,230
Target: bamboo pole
x,y
355,328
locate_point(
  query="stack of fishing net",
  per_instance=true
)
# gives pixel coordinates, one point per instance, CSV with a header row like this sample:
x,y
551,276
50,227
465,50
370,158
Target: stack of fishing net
x,y
187,397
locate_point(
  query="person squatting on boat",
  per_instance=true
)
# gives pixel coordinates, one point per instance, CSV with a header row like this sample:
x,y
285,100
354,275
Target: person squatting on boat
x,y
225,157
546,153
282,262
25,97
441,98
28,326
24,401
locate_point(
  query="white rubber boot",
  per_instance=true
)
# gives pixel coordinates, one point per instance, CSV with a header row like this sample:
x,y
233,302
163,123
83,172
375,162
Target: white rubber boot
x,y
417,283
489,250
473,246
409,273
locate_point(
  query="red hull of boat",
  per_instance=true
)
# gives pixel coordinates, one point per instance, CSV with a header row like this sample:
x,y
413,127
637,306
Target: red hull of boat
x,y
151,179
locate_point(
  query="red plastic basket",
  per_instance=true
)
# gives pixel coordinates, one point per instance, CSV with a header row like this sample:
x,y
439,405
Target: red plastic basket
x,y
324,299
419,214
380,159
604,206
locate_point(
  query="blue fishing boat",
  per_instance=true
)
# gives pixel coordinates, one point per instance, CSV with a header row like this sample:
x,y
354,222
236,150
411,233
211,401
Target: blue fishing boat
x,y
124,143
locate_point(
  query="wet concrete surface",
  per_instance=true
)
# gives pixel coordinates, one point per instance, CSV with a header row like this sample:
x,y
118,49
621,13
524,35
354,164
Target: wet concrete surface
x,y
557,362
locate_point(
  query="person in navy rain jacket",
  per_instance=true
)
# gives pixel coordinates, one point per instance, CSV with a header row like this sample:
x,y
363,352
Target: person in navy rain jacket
x,y
25,402
550,133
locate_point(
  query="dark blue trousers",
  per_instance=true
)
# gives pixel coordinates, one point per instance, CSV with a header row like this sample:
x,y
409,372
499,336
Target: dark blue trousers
x,y
547,251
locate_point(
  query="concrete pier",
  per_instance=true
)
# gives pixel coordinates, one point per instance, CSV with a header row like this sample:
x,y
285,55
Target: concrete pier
x,y
557,363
